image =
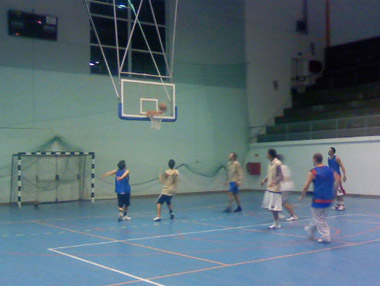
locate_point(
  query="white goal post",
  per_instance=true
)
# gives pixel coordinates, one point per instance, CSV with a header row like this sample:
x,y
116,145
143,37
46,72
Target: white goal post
x,y
52,176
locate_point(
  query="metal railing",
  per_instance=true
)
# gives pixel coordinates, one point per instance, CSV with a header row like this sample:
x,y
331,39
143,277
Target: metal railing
x,y
318,129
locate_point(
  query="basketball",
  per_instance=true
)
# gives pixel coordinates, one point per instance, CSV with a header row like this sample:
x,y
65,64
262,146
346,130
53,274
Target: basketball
x,y
163,106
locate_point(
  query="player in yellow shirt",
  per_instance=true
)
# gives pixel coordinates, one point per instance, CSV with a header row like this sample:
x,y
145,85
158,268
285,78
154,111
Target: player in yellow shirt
x,y
169,180
235,178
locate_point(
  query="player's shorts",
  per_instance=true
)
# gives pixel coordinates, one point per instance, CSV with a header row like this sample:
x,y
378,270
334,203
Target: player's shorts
x,y
164,199
123,200
234,188
272,201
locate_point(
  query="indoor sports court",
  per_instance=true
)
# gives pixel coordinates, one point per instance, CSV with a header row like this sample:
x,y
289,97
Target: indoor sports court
x,y
177,142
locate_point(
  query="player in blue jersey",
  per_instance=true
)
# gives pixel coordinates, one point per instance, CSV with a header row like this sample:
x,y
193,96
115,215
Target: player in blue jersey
x,y
323,179
122,188
336,164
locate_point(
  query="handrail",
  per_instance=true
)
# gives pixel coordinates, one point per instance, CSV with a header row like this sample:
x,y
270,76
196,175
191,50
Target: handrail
x,y
313,127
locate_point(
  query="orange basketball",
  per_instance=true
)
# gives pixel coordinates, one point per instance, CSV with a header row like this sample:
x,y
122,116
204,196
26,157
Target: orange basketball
x,y
163,106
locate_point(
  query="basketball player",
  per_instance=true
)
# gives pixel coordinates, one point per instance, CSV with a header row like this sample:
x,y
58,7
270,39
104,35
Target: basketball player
x,y
169,181
122,188
287,186
323,179
235,178
336,164
272,197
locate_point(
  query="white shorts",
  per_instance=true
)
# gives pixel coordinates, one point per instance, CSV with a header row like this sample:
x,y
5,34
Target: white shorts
x,y
272,201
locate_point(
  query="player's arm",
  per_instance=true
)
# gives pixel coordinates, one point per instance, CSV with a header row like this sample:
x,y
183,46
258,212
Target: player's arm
x,y
340,163
309,180
240,174
163,176
264,181
110,173
279,175
126,174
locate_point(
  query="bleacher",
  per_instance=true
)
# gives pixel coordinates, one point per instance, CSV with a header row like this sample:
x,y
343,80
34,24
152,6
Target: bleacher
x,y
344,102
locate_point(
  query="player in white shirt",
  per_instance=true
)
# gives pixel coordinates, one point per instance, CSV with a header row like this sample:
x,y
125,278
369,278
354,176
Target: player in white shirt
x,y
287,186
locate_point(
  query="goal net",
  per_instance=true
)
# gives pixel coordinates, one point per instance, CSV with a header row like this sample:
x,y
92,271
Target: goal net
x,y
42,177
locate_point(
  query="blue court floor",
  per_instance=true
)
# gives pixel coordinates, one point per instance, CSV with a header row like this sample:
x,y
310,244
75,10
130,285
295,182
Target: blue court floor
x,y
83,244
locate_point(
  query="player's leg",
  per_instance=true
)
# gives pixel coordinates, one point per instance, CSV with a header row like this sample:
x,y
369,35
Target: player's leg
x,y
291,211
159,203
288,206
127,203
321,225
311,228
234,189
340,197
275,205
121,206
170,207
230,202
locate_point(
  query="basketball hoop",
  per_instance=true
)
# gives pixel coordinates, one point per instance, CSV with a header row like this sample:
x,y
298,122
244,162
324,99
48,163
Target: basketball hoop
x,y
155,122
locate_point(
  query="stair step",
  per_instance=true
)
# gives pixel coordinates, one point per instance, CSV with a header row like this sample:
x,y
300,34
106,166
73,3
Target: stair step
x,y
343,133
316,116
324,125
341,95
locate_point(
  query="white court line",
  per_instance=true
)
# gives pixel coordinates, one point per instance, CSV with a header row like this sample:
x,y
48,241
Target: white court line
x,y
184,233
107,268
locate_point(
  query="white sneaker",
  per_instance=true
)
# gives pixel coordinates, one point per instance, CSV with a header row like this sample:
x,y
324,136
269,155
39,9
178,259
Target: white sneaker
x,y
275,225
126,218
335,208
341,208
281,216
292,218
157,219
321,240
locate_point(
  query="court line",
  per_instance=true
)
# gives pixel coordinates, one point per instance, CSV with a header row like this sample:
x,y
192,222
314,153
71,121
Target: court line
x,y
253,261
106,216
175,234
134,244
140,279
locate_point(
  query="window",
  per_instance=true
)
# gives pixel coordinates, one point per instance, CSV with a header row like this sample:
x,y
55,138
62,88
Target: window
x,y
138,60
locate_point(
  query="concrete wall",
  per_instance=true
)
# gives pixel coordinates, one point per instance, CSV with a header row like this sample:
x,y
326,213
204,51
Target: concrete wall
x,y
353,20
359,155
47,86
271,42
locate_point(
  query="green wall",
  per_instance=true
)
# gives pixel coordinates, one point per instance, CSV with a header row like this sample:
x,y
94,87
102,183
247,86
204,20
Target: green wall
x,y
83,110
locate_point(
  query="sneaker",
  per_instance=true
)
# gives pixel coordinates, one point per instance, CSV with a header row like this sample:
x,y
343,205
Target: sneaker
x,y
238,209
227,210
292,218
341,208
171,215
310,232
335,207
275,225
323,240
281,216
120,218
126,218
157,219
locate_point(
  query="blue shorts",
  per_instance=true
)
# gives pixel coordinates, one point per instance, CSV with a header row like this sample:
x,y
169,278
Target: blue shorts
x,y
164,199
234,188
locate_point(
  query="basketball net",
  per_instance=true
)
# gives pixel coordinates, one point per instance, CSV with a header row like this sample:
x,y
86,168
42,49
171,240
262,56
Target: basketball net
x,y
155,122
